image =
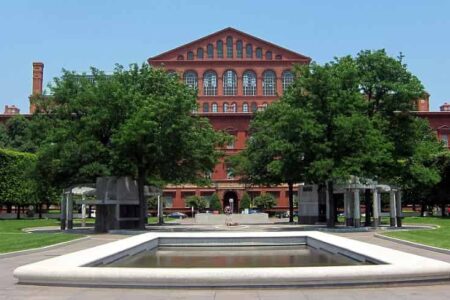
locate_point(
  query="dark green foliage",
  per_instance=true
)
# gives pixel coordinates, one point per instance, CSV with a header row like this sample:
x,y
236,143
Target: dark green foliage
x,y
197,202
214,203
245,201
17,186
265,201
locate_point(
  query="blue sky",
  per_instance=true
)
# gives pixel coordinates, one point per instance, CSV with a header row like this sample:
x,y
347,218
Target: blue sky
x,y
78,34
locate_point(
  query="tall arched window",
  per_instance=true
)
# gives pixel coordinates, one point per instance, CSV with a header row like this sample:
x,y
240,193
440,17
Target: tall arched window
x,y
229,47
258,53
210,83
214,107
190,55
180,57
190,79
210,50
245,107
229,83
219,49
249,51
225,107
287,79
233,107
254,107
239,49
205,107
269,55
269,83
249,83
200,53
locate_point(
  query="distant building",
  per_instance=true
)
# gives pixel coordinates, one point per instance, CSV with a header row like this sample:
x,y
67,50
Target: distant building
x,y
11,110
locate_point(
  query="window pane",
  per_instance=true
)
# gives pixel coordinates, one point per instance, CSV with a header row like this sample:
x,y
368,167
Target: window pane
x,y
249,51
205,107
254,107
200,53
210,50
229,83
258,53
229,47
214,107
239,49
269,55
245,107
190,79
210,84
287,79
190,55
219,49
249,83
269,83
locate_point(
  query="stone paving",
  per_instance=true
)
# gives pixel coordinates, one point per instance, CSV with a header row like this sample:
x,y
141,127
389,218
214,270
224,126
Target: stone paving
x,y
9,289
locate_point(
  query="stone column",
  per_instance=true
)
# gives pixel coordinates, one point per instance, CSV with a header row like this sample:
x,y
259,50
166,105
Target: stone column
x,y
379,208
63,211
392,208
327,205
69,208
348,208
399,208
356,209
376,211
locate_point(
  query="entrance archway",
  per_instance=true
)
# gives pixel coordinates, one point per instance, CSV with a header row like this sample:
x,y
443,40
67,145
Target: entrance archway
x,y
226,200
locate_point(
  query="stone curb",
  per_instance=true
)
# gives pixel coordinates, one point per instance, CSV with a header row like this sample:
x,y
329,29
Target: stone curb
x,y
34,250
416,245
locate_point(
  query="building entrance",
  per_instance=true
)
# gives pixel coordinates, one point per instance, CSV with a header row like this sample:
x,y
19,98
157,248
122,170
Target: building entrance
x,y
230,199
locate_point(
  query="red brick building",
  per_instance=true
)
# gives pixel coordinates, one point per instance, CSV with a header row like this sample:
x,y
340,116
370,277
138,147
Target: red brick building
x,y
235,74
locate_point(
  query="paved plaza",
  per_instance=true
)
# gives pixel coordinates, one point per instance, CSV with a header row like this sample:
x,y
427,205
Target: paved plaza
x,y
9,289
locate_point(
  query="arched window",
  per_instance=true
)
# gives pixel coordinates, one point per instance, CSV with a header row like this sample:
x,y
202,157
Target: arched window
x,y
278,57
180,57
219,49
287,79
258,53
225,107
265,105
245,107
249,83
210,50
269,83
200,53
233,107
229,47
249,51
269,55
229,83
206,107
172,73
210,83
214,107
190,55
239,49
190,79
254,107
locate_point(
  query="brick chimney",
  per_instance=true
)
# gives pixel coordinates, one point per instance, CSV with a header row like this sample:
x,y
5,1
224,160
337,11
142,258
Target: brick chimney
x,y
38,78
423,103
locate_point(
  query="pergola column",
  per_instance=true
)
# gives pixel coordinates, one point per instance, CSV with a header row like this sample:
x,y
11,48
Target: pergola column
x,y
356,209
348,204
392,208
69,207
398,203
63,209
376,214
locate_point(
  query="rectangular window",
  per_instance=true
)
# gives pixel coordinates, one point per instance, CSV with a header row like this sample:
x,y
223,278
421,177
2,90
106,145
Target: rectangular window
x,y
444,139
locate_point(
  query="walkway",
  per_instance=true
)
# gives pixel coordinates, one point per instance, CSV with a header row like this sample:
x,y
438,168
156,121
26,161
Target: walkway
x,y
10,290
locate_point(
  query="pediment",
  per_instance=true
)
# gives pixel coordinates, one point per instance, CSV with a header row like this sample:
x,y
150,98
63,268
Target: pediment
x,y
189,51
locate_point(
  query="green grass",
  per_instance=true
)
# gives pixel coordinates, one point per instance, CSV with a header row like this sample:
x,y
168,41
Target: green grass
x,y
154,220
434,237
12,238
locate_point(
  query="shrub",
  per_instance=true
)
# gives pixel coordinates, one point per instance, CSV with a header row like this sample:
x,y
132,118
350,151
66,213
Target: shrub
x,y
265,201
214,202
246,202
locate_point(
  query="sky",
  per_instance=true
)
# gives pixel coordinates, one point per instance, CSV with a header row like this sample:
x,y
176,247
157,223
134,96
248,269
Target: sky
x,y
75,35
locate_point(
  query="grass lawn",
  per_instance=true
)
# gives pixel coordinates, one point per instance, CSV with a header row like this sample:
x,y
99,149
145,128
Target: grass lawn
x,y
12,238
435,237
154,220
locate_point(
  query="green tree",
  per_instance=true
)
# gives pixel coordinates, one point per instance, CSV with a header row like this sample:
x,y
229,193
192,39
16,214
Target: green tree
x,y
214,203
265,201
197,202
136,122
245,201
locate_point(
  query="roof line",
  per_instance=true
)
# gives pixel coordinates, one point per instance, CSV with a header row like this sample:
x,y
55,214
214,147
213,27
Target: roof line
x,y
221,31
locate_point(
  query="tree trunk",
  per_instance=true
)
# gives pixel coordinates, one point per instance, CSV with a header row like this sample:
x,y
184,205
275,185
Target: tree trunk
x,y
142,204
39,207
443,207
422,210
90,211
331,218
18,211
291,202
414,206
8,208
367,204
